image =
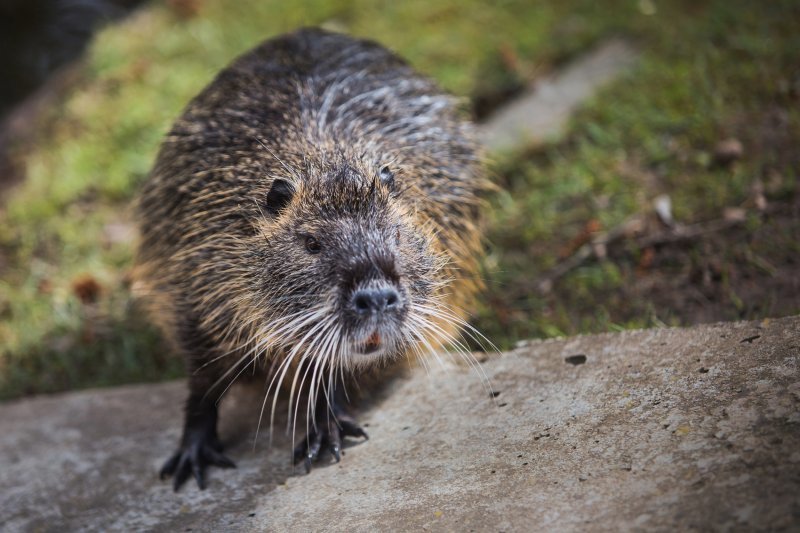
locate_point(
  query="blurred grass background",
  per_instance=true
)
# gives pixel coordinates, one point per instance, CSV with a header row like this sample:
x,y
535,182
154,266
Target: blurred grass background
x,y
709,71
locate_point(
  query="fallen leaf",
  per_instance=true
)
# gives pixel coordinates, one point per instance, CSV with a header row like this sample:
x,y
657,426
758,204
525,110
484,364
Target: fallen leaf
x,y
86,288
728,151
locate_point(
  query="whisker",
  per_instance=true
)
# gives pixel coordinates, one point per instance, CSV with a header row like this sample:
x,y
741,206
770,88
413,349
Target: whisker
x,y
307,354
445,312
281,371
464,352
287,168
321,356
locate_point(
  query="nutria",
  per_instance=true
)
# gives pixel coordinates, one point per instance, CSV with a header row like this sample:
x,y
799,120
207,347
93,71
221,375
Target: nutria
x,y
314,212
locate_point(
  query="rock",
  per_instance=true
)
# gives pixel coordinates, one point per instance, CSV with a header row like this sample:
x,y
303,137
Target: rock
x,y
651,430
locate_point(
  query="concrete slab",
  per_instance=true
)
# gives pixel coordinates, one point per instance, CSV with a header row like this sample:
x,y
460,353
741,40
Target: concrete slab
x,y
647,430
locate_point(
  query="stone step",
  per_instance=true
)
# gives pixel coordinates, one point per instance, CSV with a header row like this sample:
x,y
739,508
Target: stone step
x,y
694,428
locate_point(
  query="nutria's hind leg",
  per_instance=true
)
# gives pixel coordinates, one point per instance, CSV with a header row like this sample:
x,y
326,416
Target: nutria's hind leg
x,y
332,424
200,446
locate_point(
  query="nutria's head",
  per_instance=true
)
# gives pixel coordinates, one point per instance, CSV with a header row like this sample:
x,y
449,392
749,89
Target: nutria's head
x,y
346,269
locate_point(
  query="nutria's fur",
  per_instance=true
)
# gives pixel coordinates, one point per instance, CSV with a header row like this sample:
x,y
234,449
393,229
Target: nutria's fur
x,y
316,205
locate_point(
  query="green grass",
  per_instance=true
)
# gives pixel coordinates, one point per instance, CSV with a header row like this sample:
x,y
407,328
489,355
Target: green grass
x,y
708,71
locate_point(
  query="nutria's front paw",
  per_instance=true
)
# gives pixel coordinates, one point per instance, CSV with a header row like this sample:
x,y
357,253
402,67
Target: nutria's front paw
x,y
328,434
197,451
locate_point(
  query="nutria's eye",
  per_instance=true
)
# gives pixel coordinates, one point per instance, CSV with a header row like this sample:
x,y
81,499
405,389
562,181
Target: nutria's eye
x,y
312,245
387,177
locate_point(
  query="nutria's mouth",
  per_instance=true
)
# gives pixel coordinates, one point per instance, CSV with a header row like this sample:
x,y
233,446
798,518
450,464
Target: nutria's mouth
x,y
372,344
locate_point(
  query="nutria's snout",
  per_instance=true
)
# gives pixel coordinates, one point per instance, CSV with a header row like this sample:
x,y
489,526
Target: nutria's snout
x,y
375,301
377,313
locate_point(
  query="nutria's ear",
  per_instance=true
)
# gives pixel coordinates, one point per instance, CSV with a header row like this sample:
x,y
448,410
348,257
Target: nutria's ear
x,y
387,177
280,194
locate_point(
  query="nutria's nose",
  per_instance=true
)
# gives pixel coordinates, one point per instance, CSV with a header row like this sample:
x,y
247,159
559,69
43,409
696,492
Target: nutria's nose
x,y
368,301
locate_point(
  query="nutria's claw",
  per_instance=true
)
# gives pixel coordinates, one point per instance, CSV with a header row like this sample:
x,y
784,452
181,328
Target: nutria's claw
x,y
328,434
192,458
351,429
